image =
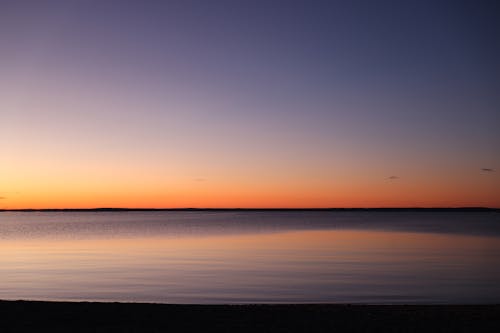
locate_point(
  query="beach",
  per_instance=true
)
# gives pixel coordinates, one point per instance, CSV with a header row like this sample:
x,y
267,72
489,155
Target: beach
x,y
30,316
250,271
249,166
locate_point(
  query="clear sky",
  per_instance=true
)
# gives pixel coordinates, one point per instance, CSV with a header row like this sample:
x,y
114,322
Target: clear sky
x,y
249,103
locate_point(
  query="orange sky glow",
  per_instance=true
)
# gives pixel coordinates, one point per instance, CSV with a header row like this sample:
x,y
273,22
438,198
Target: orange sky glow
x,y
103,106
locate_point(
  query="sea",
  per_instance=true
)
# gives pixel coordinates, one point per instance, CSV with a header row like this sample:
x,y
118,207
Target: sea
x,y
242,257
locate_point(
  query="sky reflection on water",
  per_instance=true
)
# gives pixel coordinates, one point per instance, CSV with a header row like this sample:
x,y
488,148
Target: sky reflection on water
x,y
223,258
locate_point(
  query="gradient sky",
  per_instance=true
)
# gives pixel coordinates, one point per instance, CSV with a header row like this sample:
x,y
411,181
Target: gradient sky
x,y
249,103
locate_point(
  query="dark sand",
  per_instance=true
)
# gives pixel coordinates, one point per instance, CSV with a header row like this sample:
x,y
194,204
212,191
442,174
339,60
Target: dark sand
x,y
22,316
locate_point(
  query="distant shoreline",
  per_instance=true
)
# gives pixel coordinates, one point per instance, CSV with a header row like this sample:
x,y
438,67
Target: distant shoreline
x,y
30,316
384,209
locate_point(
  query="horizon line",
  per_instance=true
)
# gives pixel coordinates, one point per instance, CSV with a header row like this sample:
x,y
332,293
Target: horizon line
x,y
118,209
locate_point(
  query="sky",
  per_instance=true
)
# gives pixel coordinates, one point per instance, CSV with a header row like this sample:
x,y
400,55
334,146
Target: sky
x,y
249,104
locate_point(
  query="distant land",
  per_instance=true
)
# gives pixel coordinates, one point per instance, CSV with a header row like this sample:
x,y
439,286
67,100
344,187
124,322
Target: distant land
x,y
385,209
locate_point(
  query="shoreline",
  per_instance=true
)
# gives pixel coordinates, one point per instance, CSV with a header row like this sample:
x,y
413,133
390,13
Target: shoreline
x,y
28,316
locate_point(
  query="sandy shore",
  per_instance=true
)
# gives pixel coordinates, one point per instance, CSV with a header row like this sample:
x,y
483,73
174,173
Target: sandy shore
x,y
22,316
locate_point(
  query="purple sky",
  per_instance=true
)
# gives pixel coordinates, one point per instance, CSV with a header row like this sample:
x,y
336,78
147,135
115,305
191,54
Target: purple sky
x,y
305,100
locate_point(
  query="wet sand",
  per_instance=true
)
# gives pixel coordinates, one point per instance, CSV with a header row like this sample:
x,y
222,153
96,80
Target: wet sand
x,y
24,316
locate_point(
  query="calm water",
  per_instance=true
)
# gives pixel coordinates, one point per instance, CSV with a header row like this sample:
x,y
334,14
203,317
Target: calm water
x,y
249,257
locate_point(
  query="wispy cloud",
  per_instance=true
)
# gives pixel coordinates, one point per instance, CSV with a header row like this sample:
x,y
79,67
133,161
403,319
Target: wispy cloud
x,y
393,177
3,198
487,170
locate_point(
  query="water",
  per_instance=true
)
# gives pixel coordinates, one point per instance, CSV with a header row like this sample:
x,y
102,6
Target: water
x,y
251,257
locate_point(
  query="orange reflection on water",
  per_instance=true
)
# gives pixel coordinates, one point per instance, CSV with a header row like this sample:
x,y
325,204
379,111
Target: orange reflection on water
x,y
353,240
298,266
365,245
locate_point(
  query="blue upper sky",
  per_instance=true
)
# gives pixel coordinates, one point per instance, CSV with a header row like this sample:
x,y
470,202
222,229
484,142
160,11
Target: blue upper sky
x,y
386,84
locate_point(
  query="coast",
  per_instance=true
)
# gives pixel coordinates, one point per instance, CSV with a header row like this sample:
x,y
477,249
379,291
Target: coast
x,y
30,316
